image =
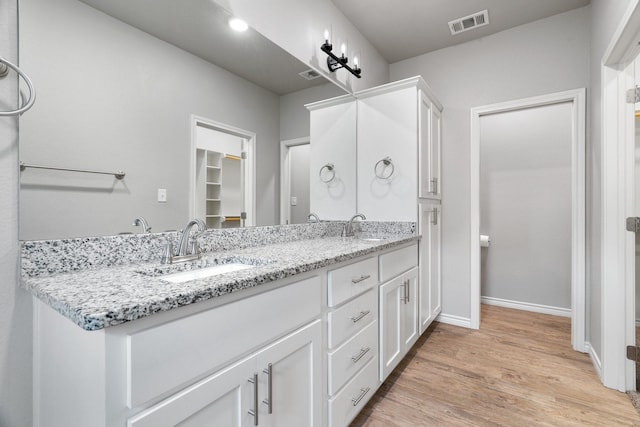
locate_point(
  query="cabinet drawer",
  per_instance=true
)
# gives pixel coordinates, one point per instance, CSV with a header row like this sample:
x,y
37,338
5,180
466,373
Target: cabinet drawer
x,y
351,356
352,317
397,262
172,354
345,405
351,280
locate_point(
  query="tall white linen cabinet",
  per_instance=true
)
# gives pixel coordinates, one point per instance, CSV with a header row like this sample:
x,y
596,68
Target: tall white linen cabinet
x,y
378,152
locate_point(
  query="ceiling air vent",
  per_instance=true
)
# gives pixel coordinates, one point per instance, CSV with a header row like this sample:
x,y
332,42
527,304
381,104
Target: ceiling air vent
x,y
310,74
469,22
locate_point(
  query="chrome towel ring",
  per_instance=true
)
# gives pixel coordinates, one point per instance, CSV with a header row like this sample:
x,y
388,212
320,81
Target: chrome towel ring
x,y
328,176
387,169
4,70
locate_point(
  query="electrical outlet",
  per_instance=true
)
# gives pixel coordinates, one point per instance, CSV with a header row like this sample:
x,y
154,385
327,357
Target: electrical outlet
x,y
294,201
162,195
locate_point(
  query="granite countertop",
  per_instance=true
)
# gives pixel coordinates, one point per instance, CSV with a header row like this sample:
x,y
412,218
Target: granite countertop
x,y
98,298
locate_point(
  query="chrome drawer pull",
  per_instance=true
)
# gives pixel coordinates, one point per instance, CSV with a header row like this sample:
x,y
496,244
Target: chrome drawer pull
x,y
254,412
363,351
360,316
363,393
269,401
365,277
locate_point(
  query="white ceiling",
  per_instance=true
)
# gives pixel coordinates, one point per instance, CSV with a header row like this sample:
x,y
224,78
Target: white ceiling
x,y
201,28
403,29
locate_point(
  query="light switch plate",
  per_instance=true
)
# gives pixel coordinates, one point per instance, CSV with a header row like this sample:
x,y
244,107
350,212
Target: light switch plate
x,y
294,201
162,195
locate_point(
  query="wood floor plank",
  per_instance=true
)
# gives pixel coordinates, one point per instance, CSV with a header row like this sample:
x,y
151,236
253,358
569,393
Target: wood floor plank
x,y
518,370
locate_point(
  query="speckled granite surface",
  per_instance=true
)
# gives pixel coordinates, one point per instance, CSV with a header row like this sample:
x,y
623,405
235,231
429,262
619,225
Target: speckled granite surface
x,y
97,283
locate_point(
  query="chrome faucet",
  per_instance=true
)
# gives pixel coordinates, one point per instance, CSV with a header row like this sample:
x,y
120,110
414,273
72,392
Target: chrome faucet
x,y
313,217
185,252
140,221
347,230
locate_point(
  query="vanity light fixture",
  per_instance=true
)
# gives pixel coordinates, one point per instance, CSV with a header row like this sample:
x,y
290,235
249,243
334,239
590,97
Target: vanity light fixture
x,y
335,62
238,24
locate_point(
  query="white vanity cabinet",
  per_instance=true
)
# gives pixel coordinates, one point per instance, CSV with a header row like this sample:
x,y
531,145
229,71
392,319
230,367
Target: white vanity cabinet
x,y
188,363
277,386
429,227
332,174
308,350
398,149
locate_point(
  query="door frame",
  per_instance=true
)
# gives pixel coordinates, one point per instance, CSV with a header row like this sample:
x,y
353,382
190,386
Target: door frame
x,y
249,170
617,279
577,98
285,175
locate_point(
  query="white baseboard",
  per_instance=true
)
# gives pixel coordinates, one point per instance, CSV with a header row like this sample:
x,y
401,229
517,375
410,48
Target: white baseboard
x,y
595,360
450,319
526,306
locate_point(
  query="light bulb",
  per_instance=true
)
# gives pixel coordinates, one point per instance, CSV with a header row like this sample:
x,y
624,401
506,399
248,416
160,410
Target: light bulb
x,y
238,24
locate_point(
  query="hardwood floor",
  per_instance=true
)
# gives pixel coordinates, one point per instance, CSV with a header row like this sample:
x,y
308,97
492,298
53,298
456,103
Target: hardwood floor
x,y
518,370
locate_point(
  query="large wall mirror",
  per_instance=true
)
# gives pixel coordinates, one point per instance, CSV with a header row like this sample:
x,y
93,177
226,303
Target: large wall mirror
x,y
119,83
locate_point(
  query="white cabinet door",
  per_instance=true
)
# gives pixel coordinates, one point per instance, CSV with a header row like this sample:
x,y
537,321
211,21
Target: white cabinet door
x,y
398,320
436,153
222,399
410,327
332,175
387,130
430,250
430,141
424,146
291,379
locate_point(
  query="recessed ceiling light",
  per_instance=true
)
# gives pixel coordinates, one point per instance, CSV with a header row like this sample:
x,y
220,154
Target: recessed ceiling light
x,y
238,24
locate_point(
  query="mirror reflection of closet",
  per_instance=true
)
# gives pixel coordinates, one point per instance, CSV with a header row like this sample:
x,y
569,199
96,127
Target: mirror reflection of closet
x,y
222,177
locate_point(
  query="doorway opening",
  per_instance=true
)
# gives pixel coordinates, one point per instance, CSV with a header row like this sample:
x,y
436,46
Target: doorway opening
x,y
222,178
294,181
576,101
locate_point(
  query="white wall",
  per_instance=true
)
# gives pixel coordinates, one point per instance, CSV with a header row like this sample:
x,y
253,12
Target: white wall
x,y
117,98
15,304
294,117
298,27
545,56
525,205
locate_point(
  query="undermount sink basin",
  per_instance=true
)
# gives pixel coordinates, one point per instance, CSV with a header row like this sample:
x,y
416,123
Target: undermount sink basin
x,y
201,273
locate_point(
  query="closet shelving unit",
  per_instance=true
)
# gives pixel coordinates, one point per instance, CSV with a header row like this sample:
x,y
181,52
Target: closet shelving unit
x,y
218,189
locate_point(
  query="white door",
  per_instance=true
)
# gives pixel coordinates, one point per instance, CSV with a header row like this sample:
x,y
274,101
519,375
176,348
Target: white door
x,y
291,379
223,399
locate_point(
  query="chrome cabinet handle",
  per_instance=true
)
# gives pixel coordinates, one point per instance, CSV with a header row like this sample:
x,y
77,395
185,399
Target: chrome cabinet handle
x,y
434,216
403,298
268,401
365,277
360,316
363,351
408,288
434,186
254,412
363,393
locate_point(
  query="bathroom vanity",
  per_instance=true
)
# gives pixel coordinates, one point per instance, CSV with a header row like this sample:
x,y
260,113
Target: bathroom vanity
x,y
304,336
